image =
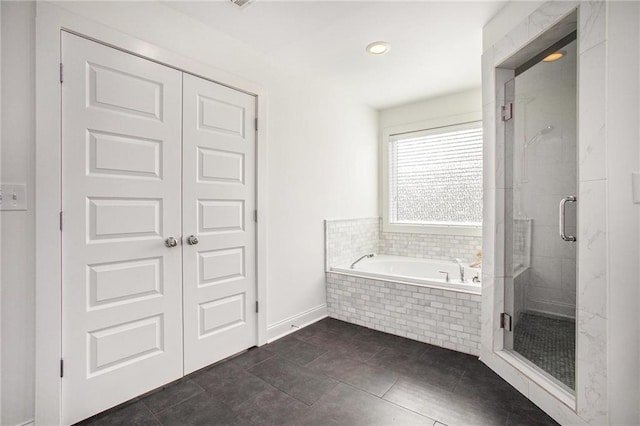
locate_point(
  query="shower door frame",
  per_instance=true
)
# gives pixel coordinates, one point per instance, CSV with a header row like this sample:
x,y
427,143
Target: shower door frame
x,y
589,403
513,175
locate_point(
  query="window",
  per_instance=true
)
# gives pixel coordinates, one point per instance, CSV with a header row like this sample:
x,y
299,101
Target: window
x,y
435,177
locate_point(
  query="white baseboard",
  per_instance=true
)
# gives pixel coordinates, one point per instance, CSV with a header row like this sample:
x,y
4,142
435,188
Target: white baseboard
x,y
295,322
27,423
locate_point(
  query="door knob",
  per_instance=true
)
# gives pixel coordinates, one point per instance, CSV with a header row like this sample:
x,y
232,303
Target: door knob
x,y
170,242
193,240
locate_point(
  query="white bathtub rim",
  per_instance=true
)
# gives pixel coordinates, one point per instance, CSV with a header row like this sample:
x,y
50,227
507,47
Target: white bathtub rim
x,y
398,280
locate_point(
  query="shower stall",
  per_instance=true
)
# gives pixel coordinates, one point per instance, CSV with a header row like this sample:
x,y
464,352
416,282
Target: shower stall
x,y
540,136
560,223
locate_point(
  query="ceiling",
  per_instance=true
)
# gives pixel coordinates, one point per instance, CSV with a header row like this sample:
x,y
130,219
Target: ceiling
x,y
435,45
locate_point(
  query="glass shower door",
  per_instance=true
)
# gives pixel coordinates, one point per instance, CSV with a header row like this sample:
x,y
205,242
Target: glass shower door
x,y
540,227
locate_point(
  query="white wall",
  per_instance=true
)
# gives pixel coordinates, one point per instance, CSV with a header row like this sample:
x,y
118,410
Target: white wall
x,y
428,109
18,236
623,149
322,157
322,164
0,216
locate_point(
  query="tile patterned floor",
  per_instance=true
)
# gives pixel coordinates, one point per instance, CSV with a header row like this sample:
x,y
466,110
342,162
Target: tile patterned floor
x,y
550,343
335,373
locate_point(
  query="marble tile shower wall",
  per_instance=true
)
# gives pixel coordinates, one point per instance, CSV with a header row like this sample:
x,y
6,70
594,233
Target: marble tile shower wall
x,y
592,329
346,240
439,317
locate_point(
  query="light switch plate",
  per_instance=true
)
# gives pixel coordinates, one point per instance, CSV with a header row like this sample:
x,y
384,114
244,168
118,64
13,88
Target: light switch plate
x,y
13,196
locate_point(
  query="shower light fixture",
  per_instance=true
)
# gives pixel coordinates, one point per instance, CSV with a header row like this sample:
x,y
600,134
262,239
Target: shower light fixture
x,y
378,47
551,57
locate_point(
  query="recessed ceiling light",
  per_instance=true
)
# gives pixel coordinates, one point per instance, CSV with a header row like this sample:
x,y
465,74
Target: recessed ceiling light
x,y
554,56
378,47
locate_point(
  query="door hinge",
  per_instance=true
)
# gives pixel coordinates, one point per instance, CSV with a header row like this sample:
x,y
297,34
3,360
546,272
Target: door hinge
x,y
507,111
255,216
61,73
257,310
256,124
61,220
61,367
505,321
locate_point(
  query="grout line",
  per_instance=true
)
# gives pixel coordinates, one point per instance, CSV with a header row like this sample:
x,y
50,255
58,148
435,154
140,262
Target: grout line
x,y
396,405
258,363
459,380
202,390
152,413
390,387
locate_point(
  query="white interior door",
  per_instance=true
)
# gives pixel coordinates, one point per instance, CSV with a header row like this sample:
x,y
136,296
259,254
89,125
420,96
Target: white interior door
x,y
218,209
121,285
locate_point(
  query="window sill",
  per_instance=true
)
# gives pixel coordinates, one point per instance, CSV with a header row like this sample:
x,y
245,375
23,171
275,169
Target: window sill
x,y
467,230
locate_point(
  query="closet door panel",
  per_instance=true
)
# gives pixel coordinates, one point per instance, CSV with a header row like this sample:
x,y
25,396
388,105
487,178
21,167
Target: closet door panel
x,y
121,195
218,209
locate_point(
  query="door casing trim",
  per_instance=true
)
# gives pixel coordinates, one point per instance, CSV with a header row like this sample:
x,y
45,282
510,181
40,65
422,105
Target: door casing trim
x,y
50,21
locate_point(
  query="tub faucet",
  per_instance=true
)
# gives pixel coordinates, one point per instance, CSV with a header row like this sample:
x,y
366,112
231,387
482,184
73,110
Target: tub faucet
x,y
461,266
360,258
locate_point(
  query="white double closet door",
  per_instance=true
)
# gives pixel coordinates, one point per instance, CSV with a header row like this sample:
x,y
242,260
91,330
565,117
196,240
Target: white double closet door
x,y
151,153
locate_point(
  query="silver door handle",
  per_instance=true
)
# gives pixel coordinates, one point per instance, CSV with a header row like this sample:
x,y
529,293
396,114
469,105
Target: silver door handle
x,y
170,242
563,202
192,240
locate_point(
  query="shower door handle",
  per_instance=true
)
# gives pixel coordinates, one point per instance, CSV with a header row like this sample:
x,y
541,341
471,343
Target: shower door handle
x,y
563,202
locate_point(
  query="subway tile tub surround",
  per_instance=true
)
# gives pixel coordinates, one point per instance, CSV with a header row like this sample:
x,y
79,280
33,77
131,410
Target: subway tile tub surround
x,y
446,318
346,240
430,246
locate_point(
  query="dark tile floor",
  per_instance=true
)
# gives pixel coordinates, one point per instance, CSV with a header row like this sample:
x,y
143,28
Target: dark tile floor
x,y
335,373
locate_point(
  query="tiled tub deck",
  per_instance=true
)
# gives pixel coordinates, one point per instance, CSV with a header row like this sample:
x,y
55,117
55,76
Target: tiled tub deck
x,y
450,319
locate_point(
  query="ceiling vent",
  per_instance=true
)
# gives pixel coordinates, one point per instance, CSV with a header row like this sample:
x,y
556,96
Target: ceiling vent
x,y
242,3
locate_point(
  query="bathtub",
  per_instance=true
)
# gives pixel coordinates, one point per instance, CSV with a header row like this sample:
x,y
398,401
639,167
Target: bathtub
x,y
415,271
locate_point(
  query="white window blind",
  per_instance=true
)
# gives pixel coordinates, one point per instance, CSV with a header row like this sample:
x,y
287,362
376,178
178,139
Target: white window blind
x,y
435,176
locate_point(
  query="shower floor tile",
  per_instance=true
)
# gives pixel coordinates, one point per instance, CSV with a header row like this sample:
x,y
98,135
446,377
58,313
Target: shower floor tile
x,y
343,374
549,343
